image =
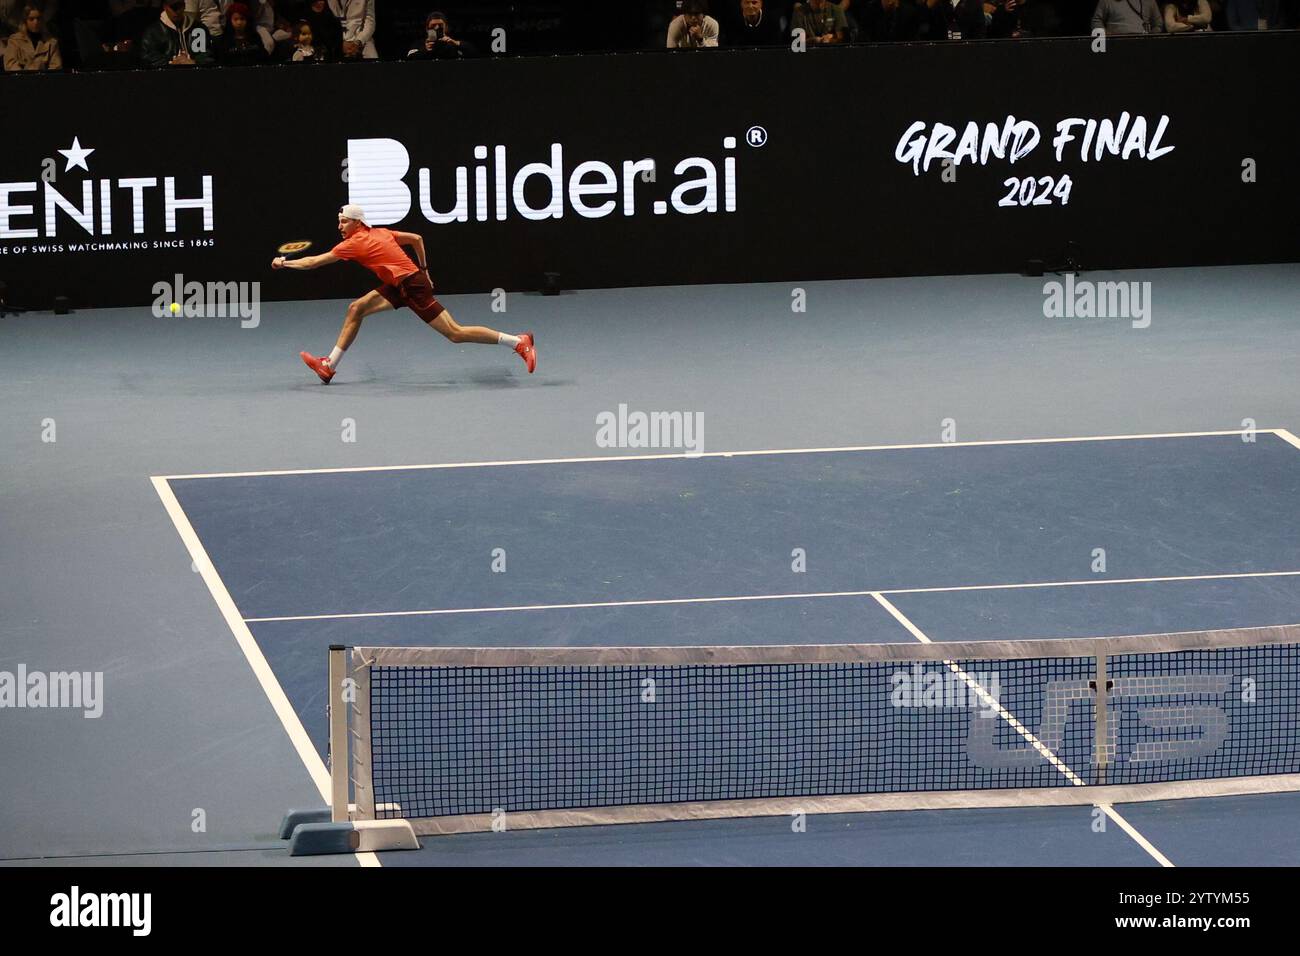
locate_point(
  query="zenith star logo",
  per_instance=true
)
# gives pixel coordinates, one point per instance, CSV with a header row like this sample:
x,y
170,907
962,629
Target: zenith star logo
x,y
40,207
548,187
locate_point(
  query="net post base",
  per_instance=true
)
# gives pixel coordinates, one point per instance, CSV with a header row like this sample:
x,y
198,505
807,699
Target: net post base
x,y
296,818
361,836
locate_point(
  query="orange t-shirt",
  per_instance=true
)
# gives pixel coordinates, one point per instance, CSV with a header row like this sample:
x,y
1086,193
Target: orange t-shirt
x,y
378,251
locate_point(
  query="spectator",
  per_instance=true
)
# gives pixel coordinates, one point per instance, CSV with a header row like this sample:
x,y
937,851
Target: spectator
x,y
822,22
1187,16
1043,18
274,27
1003,18
170,41
326,31
933,23
438,43
1120,17
208,12
271,28
890,20
972,19
271,21
693,28
11,12
304,51
751,25
13,17
357,17
240,44
261,14
100,41
1247,14
132,17
988,19
32,49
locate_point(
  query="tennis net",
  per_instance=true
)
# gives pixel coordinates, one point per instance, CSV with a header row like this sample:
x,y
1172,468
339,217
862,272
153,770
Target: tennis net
x,y
454,739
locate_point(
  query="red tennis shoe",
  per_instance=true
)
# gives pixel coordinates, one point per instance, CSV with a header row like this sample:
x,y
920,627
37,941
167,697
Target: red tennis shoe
x,y
320,366
527,350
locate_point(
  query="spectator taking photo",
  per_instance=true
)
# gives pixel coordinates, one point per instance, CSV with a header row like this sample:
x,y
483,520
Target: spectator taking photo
x,y
438,43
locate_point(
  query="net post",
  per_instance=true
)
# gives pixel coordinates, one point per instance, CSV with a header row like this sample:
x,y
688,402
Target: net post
x,y
338,718
362,775
1102,743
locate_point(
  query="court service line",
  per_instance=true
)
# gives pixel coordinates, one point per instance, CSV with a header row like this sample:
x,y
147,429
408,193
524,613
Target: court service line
x,y
652,602
252,653
989,701
707,454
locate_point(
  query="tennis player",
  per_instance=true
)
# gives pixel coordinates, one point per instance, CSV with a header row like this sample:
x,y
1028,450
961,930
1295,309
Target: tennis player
x,y
402,284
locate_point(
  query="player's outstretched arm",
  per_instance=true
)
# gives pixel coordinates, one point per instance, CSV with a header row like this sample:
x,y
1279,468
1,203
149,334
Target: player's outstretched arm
x,y
306,262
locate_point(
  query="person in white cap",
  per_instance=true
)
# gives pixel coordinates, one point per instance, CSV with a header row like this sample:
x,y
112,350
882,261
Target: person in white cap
x,y
404,283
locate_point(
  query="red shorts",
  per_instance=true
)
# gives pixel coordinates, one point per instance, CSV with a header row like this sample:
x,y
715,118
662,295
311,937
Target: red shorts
x,y
416,293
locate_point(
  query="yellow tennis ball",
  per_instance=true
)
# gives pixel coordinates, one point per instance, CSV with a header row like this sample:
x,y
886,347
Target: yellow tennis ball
x,y
175,309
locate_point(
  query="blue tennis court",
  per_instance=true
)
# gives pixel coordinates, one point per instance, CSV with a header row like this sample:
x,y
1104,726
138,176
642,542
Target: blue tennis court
x,y
185,514
992,541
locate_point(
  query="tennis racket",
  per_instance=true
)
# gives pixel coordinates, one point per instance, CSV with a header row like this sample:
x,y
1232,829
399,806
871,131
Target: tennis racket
x,y
290,249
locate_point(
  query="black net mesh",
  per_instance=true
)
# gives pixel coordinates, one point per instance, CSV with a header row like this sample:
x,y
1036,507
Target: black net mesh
x,y
458,740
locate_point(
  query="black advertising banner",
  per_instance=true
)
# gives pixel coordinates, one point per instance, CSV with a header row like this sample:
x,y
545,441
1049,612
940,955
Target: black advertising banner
x,y
653,169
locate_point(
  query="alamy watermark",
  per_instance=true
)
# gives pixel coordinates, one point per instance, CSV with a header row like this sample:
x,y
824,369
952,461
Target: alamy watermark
x,y
918,687
634,429
76,690
1084,299
209,300
76,908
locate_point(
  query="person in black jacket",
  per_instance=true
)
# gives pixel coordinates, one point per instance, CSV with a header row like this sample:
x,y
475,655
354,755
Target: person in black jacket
x,y
240,44
885,21
171,41
326,31
751,24
934,19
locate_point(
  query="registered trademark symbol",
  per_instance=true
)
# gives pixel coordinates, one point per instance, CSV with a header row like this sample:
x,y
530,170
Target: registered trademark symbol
x,y
756,136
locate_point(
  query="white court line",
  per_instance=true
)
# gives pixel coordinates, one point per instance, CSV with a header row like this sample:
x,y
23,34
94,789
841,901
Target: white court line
x,y
707,454
650,602
1024,732
1143,842
243,636
1286,436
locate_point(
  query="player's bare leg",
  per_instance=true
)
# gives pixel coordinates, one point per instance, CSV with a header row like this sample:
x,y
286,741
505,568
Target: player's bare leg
x,y
523,344
444,324
368,304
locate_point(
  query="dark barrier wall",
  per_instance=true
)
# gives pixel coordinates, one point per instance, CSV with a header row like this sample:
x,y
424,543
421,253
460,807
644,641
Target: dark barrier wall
x,y
657,169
